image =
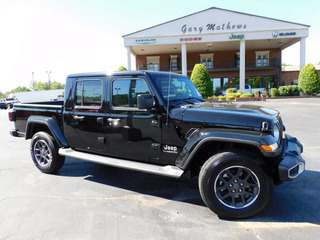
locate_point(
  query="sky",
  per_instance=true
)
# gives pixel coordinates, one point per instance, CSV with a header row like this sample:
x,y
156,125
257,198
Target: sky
x,y
72,36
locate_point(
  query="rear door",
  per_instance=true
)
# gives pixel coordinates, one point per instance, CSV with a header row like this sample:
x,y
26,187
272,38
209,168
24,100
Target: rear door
x,y
84,120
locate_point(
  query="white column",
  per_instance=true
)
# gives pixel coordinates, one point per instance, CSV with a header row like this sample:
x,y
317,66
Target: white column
x,y
302,52
242,64
184,58
129,58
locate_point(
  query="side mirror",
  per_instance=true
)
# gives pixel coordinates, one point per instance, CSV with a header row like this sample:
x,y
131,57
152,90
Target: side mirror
x,y
145,101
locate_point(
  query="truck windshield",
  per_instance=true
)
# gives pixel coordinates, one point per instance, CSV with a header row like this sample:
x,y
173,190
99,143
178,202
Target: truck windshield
x,y
176,88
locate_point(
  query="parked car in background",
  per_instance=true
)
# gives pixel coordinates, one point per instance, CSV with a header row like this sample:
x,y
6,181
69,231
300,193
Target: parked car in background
x,y
8,103
3,104
247,89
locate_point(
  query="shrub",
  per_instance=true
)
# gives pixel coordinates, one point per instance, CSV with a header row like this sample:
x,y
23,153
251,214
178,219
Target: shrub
x,y
294,90
309,80
230,98
256,93
274,92
290,90
284,91
231,95
122,68
246,95
222,98
231,90
240,92
202,80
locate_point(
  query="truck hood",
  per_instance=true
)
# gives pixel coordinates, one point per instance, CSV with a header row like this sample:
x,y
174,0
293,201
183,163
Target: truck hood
x,y
226,115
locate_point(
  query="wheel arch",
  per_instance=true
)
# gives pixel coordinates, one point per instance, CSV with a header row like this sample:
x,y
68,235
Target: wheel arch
x,y
47,124
206,143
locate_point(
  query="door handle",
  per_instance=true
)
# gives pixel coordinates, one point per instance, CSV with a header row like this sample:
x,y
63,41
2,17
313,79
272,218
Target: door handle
x,y
78,117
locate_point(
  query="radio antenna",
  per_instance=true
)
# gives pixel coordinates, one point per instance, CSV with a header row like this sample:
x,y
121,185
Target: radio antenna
x,y
169,86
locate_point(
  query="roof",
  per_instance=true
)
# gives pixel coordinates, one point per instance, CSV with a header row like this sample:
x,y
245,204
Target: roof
x,y
296,68
99,74
221,9
117,73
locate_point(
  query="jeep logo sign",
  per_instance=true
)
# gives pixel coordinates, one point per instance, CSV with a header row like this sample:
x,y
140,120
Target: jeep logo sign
x,y
236,37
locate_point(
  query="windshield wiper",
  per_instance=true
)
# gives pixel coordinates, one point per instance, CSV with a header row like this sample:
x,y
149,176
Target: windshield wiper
x,y
194,98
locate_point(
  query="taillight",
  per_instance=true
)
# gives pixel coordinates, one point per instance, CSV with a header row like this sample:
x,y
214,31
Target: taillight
x,y
12,116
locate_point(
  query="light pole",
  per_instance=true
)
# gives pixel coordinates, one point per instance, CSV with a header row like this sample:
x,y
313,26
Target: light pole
x,y
32,81
49,72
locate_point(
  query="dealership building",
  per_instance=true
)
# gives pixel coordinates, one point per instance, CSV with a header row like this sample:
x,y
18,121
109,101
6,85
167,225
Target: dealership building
x,y
236,48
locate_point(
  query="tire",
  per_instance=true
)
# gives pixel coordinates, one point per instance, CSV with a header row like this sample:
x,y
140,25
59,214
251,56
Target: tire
x,y
44,153
235,185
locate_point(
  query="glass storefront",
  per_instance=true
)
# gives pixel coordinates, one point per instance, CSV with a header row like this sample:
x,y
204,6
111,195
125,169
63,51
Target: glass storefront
x,y
219,84
266,82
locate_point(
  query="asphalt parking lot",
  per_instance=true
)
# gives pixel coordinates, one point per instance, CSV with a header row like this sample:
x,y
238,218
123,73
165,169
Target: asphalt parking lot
x,y
90,201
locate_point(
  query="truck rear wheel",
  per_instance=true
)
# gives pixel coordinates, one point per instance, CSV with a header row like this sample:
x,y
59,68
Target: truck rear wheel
x,y
235,185
44,153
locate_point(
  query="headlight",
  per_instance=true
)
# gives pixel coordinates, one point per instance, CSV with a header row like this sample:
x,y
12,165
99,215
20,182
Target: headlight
x,y
274,146
276,132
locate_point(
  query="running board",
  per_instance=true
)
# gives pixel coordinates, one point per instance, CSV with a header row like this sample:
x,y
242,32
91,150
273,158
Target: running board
x,y
169,170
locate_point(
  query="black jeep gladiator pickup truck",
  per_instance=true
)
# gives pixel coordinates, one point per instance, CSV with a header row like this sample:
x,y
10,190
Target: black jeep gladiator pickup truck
x,y
159,123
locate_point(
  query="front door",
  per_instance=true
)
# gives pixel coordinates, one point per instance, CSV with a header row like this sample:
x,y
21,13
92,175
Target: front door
x,y
132,133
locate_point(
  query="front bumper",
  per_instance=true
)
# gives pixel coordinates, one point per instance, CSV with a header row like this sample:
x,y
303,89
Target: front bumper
x,y
292,164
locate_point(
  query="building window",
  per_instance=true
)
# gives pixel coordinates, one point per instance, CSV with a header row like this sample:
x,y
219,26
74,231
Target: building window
x,y
207,60
237,60
262,59
174,63
126,91
153,63
89,93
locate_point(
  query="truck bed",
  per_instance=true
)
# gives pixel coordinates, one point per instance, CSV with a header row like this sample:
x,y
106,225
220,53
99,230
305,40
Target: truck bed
x,y
45,109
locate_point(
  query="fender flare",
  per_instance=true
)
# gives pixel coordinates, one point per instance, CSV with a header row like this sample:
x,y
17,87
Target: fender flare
x,y
202,136
52,126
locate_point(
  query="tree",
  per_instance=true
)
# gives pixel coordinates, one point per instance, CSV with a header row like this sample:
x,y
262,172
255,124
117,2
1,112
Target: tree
x,y
3,95
122,68
57,85
309,80
40,86
202,80
20,89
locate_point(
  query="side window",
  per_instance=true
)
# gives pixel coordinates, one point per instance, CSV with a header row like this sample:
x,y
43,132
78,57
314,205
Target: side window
x,y
89,93
126,91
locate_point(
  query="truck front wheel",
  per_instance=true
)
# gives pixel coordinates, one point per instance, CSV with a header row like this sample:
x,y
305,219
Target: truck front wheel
x,y
235,185
44,153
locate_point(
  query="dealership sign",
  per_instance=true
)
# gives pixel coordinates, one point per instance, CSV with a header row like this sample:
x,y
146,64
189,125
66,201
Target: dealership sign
x,y
210,27
146,41
233,36
283,34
